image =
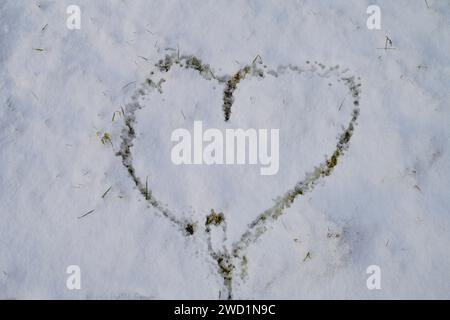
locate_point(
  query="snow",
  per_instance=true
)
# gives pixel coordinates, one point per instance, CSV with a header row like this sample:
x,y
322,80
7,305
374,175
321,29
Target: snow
x,y
385,203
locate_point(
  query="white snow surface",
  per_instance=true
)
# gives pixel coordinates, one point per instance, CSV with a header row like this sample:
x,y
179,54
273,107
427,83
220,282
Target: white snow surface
x,y
386,202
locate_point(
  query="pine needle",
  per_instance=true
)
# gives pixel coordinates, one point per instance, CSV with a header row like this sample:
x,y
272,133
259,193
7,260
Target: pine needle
x,y
86,214
106,192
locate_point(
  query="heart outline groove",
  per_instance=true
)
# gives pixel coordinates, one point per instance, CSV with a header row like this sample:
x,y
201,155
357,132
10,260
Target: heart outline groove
x,y
228,260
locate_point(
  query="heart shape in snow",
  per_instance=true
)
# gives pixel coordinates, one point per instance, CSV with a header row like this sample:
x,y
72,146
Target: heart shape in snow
x,y
314,116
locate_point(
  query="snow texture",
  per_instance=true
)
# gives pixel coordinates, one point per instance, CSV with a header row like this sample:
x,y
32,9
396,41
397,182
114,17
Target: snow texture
x,y
86,177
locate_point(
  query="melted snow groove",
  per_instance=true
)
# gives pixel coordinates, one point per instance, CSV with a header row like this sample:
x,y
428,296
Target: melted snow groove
x,y
227,260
